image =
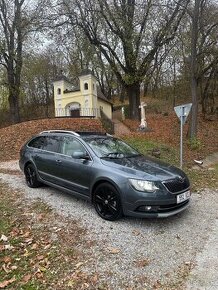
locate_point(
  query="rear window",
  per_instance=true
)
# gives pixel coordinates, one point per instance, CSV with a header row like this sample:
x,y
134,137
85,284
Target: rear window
x,y
38,142
51,144
48,143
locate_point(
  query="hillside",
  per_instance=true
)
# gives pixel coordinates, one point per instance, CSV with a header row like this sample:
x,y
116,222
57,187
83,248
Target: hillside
x,y
13,137
165,129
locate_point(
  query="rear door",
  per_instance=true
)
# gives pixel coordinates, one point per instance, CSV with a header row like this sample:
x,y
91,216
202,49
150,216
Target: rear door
x,y
45,157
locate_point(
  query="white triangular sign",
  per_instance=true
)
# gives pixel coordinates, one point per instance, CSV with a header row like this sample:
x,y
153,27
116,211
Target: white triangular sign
x,y
183,111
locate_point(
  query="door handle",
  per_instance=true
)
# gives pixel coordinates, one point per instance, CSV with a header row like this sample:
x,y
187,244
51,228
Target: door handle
x,y
58,161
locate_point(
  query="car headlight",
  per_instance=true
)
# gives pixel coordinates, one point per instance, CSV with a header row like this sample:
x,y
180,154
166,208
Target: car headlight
x,y
143,185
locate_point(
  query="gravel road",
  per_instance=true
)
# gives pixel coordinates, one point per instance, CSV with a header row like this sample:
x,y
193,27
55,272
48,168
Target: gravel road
x,y
135,253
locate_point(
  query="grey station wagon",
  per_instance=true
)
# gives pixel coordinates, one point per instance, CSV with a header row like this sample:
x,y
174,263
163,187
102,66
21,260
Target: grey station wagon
x,y
116,178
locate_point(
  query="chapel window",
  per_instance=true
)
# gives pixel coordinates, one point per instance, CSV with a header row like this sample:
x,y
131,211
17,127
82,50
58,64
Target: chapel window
x,y
86,86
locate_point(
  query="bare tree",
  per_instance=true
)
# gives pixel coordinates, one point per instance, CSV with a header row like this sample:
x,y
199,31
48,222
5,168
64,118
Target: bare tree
x,y
194,39
11,51
128,34
39,71
207,56
16,22
204,56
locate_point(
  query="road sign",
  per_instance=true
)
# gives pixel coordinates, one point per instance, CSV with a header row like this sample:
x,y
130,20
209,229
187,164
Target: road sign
x,y
182,113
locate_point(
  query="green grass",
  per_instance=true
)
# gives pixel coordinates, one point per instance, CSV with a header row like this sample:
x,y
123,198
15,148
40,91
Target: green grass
x,y
41,207
202,178
5,212
194,144
10,226
167,153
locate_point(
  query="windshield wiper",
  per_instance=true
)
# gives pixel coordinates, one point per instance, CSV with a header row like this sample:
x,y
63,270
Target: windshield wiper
x,y
113,155
133,155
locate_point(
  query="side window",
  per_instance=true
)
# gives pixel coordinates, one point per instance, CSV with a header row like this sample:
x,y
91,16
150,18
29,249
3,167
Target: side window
x,y
72,147
38,142
59,91
51,144
86,86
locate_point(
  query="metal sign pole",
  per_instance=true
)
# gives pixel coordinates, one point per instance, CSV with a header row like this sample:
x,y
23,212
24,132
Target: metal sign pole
x,y
182,113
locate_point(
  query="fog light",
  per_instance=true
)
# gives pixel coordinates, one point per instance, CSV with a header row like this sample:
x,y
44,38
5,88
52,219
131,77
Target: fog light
x,y
148,208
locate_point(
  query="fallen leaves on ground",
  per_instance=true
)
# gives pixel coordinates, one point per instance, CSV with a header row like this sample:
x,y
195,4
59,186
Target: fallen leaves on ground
x,y
40,253
141,263
13,137
5,283
113,250
165,129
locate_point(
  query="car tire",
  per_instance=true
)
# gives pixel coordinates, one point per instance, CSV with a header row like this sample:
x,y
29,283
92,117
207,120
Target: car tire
x,y
31,176
107,202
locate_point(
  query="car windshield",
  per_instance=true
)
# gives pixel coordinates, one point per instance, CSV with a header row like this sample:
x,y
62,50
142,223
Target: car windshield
x,y
111,148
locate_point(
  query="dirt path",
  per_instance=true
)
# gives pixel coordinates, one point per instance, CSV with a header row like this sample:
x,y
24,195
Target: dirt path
x,y
120,128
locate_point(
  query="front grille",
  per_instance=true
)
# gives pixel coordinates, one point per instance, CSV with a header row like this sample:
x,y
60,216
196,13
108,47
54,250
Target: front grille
x,y
177,184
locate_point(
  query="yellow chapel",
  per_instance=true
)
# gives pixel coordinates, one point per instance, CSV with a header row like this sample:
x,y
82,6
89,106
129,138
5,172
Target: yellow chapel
x,y
86,100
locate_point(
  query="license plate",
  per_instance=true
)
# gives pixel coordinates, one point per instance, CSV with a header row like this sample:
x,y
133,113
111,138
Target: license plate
x,y
183,196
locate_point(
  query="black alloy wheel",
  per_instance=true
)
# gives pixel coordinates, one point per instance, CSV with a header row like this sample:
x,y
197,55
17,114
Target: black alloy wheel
x,y
31,176
107,202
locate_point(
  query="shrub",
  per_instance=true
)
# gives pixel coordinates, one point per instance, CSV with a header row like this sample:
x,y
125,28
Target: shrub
x,y
194,144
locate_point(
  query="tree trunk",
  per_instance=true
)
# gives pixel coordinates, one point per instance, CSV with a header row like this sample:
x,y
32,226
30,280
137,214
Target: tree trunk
x,y
47,98
14,93
14,106
133,93
194,114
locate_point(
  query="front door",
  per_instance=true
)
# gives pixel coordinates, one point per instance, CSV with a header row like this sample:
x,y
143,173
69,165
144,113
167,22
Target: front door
x,y
76,173
75,113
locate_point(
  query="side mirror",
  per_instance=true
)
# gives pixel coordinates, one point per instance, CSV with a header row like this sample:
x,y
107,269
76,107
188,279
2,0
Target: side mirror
x,y
80,155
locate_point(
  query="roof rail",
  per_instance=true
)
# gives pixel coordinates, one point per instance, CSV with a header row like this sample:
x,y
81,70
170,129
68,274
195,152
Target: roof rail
x,y
61,131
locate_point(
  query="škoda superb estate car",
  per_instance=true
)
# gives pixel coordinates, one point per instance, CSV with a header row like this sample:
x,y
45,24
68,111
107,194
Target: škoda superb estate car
x,y
116,178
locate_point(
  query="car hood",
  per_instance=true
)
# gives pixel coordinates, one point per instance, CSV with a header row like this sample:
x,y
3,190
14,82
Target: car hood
x,y
144,167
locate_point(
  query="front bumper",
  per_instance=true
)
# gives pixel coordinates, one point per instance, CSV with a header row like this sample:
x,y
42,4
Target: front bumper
x,y
161,203
160,211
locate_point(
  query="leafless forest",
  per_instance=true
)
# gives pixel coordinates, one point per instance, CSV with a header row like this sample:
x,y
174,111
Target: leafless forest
x,y
136,48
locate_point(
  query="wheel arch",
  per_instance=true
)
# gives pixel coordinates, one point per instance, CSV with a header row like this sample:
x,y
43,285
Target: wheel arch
x,y
29,162
104,180
31,175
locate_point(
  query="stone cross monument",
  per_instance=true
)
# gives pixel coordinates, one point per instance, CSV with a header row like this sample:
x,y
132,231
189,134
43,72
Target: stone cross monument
x,y
143,124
